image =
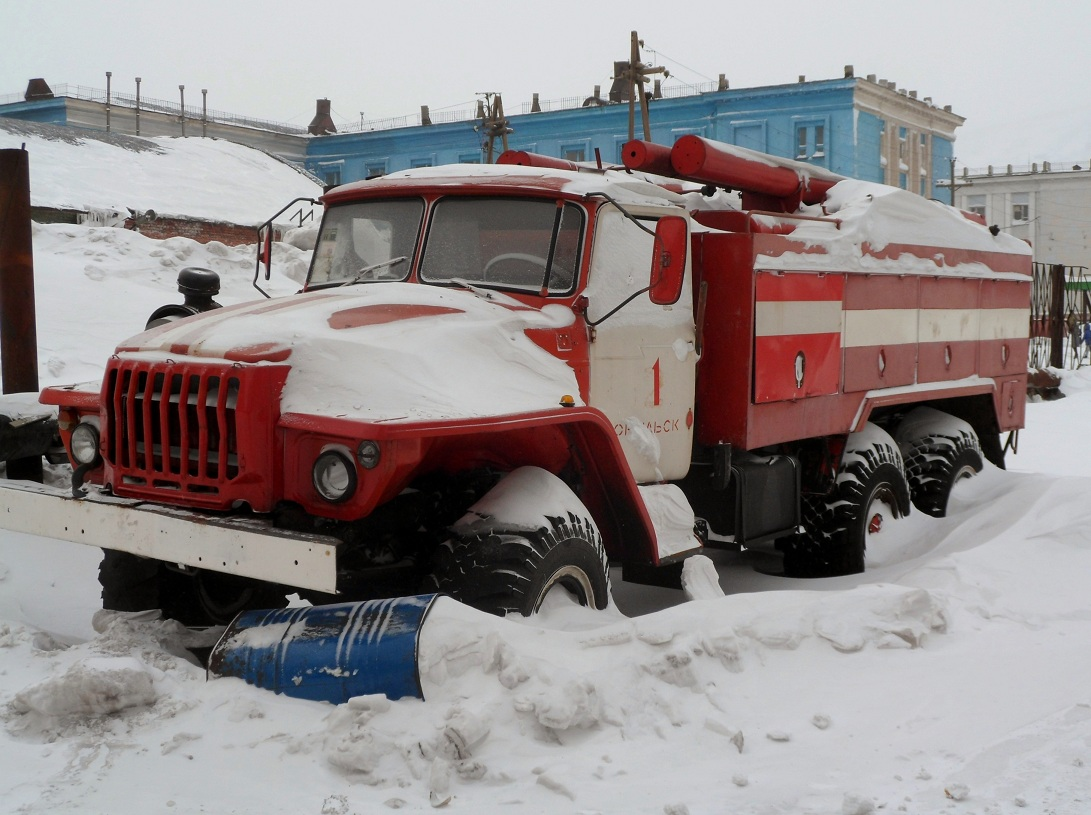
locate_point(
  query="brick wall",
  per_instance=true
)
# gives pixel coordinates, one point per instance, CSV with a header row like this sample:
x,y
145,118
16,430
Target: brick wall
x,y
200,231
160,228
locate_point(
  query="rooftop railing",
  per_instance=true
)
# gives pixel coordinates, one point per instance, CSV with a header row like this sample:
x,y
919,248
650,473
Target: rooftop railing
x,y
444,116
194,112
1079,165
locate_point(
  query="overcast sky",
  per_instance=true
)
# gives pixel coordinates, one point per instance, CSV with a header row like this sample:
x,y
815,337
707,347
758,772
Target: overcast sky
x,y
1017,71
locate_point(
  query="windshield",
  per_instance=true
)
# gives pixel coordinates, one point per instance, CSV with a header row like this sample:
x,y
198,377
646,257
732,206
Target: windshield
x,y
374,240
504,243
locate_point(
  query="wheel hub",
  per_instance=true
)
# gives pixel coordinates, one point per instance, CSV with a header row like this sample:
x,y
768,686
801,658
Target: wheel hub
x,y
875,523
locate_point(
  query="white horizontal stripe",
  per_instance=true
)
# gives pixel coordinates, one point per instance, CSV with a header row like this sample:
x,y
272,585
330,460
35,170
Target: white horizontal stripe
x,y
880,326
865,328
1005,324
950,324
780,319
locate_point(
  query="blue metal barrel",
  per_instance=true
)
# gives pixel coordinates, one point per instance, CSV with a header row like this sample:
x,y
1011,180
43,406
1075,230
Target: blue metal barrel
x,y
327,653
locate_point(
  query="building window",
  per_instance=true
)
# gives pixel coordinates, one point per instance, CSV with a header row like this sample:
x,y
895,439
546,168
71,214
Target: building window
x,y
1020,207
976,204
420,162
811,142
469,158
374,169
903,180
574,152
331,177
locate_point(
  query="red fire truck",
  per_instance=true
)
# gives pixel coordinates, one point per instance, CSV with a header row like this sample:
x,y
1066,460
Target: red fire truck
x,y
502,379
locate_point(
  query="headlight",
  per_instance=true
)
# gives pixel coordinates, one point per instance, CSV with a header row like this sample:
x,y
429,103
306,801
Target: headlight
x,y
367,453
85,443
334,476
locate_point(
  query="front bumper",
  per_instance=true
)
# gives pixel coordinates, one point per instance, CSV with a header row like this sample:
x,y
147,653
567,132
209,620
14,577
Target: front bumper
x,y
246,547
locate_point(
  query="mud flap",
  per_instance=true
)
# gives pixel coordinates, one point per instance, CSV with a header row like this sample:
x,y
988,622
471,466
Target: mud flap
x,y
327,653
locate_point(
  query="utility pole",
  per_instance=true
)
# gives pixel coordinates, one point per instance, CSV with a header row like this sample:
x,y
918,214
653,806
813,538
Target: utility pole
x,y
636,75
493,124
182,118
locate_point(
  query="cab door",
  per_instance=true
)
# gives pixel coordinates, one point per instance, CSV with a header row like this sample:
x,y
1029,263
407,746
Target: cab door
x,y
642,358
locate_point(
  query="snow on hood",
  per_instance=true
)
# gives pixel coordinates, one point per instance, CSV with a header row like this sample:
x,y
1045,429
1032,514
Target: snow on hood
x,y
879,215
385,352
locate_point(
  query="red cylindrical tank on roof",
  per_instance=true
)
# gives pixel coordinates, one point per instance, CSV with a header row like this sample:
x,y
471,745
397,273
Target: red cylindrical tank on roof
x,y
741,169
766,178
525,159
647,157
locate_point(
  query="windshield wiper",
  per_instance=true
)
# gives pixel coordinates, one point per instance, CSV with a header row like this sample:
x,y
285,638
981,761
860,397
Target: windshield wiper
x,y
483,293
362,274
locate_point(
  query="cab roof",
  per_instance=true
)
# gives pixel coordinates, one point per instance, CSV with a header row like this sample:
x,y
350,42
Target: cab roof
x,y
504,179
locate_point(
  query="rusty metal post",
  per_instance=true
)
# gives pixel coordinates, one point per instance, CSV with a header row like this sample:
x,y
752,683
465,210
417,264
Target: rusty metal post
x,y
1057,323
18,334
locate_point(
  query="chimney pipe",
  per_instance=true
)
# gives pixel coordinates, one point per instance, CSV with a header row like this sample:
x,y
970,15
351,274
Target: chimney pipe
x,y
18,334
322,123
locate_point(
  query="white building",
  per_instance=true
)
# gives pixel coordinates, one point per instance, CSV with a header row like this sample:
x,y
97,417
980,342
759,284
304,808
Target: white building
x,y
1048,204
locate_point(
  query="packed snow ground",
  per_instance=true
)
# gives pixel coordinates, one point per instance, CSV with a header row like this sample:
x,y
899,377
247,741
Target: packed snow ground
x,y
951,677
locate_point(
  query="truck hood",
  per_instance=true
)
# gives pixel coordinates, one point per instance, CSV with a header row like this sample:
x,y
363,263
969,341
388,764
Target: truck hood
x,y
384,352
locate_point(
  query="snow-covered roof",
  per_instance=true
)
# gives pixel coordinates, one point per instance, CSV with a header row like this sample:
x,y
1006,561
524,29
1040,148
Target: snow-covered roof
x,y
628,188
194,177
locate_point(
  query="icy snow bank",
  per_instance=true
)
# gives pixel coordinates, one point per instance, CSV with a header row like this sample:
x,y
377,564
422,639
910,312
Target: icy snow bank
x,y
180,177
93,687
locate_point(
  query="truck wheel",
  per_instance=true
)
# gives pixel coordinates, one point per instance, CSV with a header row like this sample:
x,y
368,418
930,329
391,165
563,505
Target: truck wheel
x,y
129,583
132,583
939,451
513,571
870,492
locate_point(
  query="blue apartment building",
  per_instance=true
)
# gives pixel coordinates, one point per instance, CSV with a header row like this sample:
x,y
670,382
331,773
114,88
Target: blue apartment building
x,y
863,128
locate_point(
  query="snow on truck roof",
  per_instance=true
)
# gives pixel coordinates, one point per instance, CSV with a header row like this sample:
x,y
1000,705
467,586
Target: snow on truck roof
x,y
627,188
861,225
881,229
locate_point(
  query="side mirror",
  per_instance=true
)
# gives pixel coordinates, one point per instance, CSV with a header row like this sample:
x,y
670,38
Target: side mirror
x,y
267,251
668,260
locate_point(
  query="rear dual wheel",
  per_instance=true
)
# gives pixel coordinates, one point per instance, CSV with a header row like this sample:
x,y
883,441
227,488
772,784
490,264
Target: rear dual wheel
x,y
870,492
939,452
878,479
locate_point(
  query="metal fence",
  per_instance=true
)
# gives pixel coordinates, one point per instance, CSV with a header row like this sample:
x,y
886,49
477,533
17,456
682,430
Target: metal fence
x,y
1060,316
193,112
444,116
